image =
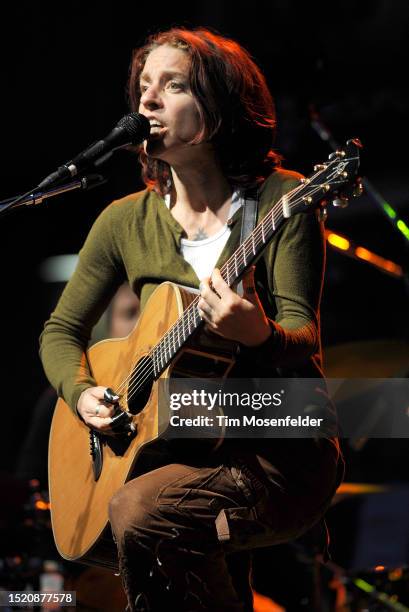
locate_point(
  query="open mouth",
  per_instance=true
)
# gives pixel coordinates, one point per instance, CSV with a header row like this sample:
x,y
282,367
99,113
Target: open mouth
x,y
156,128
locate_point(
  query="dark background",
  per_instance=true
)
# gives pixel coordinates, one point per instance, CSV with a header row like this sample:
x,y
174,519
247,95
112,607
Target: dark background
x,y
64,71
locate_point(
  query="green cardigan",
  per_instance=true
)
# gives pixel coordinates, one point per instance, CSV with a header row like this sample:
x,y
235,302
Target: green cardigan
x,y
137,239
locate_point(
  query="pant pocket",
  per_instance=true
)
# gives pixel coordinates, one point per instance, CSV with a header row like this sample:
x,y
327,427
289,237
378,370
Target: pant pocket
x,y
240,528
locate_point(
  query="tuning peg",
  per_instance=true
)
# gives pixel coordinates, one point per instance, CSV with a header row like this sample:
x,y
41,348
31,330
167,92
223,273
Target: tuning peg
x,y
340,202
322,214
318,167
358,189
336,154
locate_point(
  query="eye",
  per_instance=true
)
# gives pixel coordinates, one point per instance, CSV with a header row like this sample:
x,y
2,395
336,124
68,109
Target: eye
x,y
175,85
142,88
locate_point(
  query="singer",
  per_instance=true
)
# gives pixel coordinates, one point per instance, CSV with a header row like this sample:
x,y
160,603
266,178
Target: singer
x,y
208,154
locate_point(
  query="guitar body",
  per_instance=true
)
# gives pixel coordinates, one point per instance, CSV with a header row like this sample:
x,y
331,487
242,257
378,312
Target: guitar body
x,y
79,503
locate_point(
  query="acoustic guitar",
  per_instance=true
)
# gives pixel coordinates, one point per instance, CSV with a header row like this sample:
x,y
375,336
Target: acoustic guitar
x,y
87,468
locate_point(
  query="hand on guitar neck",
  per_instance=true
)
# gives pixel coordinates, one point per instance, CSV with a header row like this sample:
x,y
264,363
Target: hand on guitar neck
x,y
241,319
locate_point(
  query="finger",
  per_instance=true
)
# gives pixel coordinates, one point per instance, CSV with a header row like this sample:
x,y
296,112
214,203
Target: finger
x,y
98,423
207,294
102,410
204,307
107,397
99,392
204,286
209,319
220,286
110,396
205,317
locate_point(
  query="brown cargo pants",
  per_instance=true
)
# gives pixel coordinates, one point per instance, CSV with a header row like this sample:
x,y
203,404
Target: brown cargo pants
x,y
180,527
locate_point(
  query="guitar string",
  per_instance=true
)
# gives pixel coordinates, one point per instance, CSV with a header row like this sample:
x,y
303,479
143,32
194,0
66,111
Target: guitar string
x,y
138,378
191,310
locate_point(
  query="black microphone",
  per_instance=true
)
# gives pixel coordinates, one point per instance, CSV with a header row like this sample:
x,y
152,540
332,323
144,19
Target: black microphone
x,y
131,129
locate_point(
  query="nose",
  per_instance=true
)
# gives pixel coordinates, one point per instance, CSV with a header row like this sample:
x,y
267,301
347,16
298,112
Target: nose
x,y
150,98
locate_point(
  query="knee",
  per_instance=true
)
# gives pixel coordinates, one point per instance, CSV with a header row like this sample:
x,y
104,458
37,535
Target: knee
x,y
114,508
128,511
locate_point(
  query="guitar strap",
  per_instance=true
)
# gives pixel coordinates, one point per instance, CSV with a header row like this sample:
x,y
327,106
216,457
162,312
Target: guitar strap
x,y
248,220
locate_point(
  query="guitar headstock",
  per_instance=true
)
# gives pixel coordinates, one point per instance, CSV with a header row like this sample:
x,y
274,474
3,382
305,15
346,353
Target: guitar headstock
x,y
334,181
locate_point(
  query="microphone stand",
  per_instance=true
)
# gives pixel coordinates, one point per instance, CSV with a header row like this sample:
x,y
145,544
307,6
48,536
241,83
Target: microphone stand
x,y
38,197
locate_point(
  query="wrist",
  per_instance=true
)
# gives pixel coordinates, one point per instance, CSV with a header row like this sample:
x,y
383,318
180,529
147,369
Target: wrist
x,y
77,403
263,336
265,348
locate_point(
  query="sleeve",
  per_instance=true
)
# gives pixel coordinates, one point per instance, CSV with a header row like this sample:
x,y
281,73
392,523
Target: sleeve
x,y
66,334
298,274
295,264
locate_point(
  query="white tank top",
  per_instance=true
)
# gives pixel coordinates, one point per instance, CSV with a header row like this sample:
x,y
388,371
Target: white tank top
x,y
202,255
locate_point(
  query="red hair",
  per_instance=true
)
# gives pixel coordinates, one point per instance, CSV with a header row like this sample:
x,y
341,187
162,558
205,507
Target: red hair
x,y
236,108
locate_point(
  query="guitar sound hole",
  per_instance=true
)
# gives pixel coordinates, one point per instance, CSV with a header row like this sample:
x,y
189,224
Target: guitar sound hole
x,y
140,385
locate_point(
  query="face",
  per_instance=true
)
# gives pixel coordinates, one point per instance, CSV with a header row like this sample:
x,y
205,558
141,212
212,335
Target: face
x,y
167,101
